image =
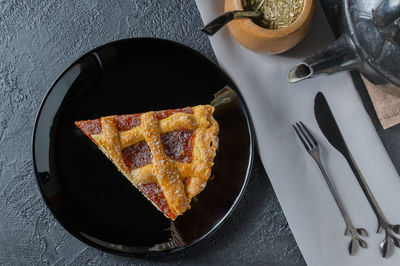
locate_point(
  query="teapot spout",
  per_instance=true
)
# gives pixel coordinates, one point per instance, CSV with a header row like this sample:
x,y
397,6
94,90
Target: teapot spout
x,y
299,72
338,56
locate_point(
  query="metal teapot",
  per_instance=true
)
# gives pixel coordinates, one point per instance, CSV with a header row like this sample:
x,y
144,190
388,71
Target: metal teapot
x,y
370,43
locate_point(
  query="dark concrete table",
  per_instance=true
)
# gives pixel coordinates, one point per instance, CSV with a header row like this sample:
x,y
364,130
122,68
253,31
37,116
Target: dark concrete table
x,y
38,40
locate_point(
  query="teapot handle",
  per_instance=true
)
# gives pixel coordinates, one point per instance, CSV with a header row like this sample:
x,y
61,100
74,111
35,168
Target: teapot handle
x,y
386,12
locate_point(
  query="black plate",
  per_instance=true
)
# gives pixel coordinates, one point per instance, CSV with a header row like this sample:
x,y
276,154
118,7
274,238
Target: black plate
x,y
85,191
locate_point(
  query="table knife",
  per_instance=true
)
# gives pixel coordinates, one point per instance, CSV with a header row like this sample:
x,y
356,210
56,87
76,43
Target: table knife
x,y
331,131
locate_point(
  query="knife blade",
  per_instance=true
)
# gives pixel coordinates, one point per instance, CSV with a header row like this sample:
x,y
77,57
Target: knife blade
x,y
331,131
327,123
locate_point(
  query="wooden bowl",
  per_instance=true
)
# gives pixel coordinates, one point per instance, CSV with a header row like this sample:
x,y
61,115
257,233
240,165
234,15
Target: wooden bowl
x,y
266,41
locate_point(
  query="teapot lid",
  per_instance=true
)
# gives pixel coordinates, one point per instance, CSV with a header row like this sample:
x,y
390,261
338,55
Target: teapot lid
x,y
374,27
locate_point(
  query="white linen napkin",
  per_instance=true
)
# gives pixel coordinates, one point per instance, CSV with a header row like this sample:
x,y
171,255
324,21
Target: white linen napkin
x,y
274,105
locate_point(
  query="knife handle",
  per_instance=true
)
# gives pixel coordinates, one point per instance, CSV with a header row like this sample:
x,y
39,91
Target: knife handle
x,y
367,191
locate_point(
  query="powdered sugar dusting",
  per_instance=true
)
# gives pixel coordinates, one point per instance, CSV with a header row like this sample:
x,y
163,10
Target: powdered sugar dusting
x,y
166,113
137,155
177,146
155,194
126,122
90,127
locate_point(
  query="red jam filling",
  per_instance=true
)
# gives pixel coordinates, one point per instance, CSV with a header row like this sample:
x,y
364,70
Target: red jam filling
x,y
155,194
137,155
177,145
126,122
90,127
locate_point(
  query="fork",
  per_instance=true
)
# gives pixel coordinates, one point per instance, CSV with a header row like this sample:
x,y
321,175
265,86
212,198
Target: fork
x,y
312,148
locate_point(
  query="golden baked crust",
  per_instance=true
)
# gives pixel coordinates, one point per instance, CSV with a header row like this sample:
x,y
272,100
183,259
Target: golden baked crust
x,y
173,182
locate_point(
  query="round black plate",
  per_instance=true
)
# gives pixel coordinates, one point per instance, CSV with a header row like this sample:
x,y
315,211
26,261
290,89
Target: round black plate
x,y
85,191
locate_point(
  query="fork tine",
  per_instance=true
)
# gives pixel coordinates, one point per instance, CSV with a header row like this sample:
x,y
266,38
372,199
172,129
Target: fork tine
x,y
309,134
306,138
300,137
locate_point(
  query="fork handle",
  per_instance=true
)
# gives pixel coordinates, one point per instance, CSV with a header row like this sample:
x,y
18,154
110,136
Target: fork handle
x,y
335,195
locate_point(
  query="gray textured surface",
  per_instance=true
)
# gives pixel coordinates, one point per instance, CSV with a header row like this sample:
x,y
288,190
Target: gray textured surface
x,y
38,40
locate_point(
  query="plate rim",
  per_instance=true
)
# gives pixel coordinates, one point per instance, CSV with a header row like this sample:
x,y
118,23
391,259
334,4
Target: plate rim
x,y
235,202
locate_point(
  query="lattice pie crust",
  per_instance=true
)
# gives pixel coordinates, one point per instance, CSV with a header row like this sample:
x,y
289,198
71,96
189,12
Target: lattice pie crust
x,y
167,155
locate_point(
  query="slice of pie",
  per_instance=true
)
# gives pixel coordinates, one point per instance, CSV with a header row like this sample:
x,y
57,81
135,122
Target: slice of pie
x,y
167,155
